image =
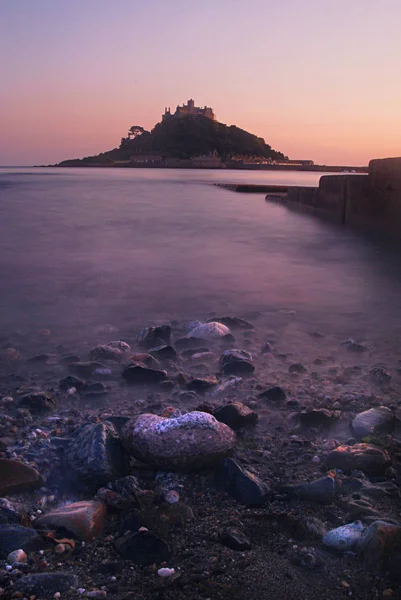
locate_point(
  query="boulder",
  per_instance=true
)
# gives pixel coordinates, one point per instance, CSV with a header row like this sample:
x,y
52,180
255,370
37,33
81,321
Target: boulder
x,y
209,331
16,477
96,455
84,520
36,402
138,373
195,439
380,542
362,457
242,485
154,336
373,421
143,548
45,585
14,537
236,362
236,415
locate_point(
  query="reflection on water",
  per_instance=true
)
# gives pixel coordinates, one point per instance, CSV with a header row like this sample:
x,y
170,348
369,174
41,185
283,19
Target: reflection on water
x,y
83,247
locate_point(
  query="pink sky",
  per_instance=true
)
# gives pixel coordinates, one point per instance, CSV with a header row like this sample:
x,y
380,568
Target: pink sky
x,y
317,79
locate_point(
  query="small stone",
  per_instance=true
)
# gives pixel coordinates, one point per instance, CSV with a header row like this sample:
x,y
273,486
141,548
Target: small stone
x,y
139,374
344,538
36,402
242,485
84,520
354,346
209,331
72,382
163,353
318,417
236,415
164,572
199,357
143,548
154,336
297,368
201,384
373,421
380,376
39,358
16,477
236,362
364,457
235,539
86,368
273,394
17,556
146,359
233,323
102,352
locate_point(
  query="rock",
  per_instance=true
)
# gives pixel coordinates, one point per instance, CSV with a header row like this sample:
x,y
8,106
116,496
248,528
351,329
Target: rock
x,y
209,331
199,357
195,439
143,548
137,373
36,402
45,584
380,376
71,381
123,346
273,394
9,512
96,455
40,359
318,417
17,477
15,537
354,346
321,490
373,421
297,368
201,384
102,352
154,336
344,538
380,542
363,457
266,348
233,323
235,539
84,520
86,368
68,359
190,352
95,388
236,362
163,353
18,556
243,485
146,359
236,415
121,494
228,385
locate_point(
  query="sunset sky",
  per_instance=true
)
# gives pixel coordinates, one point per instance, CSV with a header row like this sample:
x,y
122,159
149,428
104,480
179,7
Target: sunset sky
x,y
318,79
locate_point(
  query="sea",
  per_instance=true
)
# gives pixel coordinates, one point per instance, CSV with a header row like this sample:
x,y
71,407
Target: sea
x,y
90,254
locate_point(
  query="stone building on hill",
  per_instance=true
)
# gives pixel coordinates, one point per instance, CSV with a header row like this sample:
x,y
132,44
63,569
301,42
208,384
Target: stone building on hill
x,y
189,109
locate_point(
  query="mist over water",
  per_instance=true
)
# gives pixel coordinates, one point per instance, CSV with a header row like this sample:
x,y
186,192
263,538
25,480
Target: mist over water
x,y
82,248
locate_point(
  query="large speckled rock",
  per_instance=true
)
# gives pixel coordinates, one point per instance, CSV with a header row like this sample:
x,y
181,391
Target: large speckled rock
x,y
373,421
210,331
380,542
195,439
363,457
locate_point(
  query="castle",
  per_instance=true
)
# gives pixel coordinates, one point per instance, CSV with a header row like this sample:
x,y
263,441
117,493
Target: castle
x,y
189,109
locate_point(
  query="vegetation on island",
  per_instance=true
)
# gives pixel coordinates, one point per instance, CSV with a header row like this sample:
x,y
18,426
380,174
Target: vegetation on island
x,y
184,138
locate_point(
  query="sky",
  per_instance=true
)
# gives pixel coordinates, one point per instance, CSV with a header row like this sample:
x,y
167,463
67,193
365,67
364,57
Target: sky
x,y
318,79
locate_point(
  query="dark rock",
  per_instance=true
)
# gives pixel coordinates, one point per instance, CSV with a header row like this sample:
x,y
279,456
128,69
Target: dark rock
x,y
380,542
274,394
68,359
151,337
321,490
127,487
86,368
14,537
363,457
236,362
45,585
233,323
145,359
354,346
39,359
139,374
227,339
236,415
292,404
191,440
297,368
373,421
163,353
36,402
235,539
318,417
118,421
16,477
96,455
95,388
9,512
84,520
72,381
143,548
189,343
201,384
191,351
380,376
243,485
266,348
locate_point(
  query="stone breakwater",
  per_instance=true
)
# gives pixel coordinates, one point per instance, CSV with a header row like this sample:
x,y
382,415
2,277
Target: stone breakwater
x,y
198,460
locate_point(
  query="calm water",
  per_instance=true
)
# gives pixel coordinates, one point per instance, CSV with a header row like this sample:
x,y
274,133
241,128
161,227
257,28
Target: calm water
x,y
81,248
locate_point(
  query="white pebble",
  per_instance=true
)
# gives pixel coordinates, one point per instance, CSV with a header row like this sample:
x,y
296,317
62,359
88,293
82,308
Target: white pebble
x,y
172,497
81,591
8,568
57,595
316,460
165,572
